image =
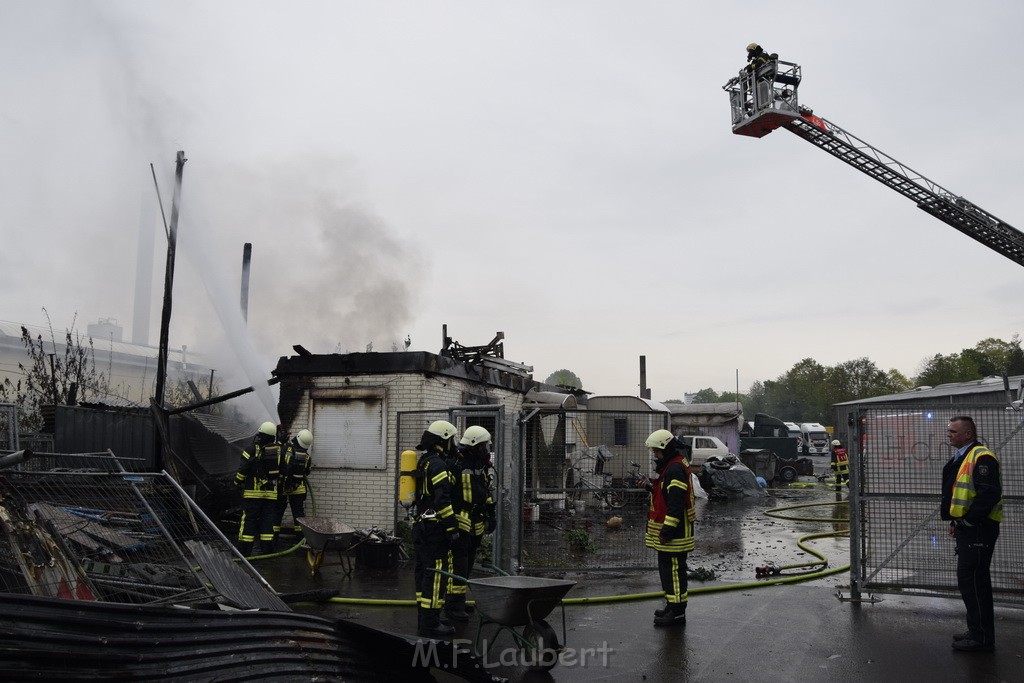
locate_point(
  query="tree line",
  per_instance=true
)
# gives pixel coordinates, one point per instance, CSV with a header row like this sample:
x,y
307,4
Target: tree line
x,y
807,391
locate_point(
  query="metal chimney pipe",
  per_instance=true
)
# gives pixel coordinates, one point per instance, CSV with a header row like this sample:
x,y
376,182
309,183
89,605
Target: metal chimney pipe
x,y
246,267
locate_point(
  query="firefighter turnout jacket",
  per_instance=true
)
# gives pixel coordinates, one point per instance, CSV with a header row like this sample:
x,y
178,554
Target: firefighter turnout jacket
x,y
434,491
472,499
672,511
259,472
296,468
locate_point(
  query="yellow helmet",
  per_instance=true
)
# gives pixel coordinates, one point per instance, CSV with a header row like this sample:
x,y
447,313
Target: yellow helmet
x,y
753,47
304,438
443,429
474,435
659,439
268,428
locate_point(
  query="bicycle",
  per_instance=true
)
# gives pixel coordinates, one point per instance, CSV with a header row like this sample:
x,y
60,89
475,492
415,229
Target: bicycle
x,y
580,484
638,485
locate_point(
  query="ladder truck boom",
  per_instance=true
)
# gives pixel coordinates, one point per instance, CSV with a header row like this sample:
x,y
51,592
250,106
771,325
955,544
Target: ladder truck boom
x,y
765,99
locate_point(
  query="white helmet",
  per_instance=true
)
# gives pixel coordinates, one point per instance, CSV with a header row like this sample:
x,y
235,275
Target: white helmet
x,y
268,428
835,442
443,429
474,435
304,438
659,439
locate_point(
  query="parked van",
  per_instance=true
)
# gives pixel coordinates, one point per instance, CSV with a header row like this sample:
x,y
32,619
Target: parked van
x,y
816,439
704,447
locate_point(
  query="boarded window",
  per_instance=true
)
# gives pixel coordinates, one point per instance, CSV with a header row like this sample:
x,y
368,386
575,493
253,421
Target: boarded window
x,y
349,432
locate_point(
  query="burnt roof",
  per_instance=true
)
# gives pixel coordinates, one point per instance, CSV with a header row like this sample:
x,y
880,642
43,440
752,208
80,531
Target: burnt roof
x,y
401,362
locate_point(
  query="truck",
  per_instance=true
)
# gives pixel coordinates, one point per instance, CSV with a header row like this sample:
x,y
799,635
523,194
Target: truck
x,y
771,452
815,439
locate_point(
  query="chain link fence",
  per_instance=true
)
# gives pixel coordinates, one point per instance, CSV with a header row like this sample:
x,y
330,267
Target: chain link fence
x,y
898,540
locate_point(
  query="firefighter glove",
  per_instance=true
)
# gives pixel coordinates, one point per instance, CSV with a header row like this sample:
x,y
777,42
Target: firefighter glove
x,y
489,524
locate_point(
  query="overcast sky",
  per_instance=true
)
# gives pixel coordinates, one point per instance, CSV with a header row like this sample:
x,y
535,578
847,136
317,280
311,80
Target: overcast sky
x,y
563,172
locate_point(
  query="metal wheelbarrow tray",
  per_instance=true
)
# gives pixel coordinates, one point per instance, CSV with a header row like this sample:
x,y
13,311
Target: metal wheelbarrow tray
x,y
323,534
521,601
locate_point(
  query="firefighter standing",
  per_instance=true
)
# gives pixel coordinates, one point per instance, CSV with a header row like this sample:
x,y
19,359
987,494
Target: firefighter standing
x,y
435,527
840,464
474,509
258,477
670,522
296,464
972,501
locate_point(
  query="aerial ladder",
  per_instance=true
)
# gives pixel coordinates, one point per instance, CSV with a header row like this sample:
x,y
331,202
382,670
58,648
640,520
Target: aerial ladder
x,y
765,99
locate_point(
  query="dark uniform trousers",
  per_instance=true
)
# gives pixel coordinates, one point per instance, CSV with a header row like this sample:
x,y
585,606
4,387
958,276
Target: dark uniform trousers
x,y
672,572
974,547
430,541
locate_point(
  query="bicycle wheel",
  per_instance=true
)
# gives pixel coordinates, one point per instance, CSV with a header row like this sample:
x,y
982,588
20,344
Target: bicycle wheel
x,y
615,498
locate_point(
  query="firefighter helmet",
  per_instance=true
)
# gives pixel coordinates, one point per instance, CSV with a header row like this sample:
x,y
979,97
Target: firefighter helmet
x,y
304,438
835,442
268,428
443,429
475,435
753,47
659,439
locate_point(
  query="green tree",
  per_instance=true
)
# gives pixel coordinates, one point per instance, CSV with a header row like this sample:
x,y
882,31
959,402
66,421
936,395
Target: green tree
x,y
564,378
708,395
940,369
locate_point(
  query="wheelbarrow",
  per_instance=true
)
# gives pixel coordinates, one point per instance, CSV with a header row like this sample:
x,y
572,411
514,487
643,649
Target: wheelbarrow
x,y
519,605
323,534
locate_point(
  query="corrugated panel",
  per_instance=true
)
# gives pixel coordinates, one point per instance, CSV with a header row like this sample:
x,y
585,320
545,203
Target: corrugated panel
x,y
52,639
349,433
128,433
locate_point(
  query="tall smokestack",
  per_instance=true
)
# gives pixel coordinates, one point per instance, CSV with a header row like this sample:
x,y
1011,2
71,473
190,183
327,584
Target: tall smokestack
x,y
644,391
143,274
246,265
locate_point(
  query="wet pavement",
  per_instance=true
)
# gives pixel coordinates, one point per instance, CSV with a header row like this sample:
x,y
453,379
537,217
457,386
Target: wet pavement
x,y
753,631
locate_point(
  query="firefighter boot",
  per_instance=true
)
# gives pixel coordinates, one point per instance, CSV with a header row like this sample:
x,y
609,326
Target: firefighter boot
x,y
429,624
676,614
455,607
664,610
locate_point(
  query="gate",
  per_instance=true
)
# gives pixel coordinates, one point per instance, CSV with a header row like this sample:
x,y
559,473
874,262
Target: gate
x,y
496,548
898,542
580,508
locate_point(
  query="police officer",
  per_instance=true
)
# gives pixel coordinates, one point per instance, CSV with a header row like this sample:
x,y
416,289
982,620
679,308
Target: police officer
x,y
972,501
295,468
840,464
670,522
435,527
474,508
258,476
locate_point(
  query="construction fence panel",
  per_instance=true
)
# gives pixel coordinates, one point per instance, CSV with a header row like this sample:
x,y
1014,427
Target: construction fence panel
x,y
81,527
580,504
899,543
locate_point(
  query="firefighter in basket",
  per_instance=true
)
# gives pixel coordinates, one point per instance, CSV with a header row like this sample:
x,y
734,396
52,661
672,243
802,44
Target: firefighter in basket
x,y
435,527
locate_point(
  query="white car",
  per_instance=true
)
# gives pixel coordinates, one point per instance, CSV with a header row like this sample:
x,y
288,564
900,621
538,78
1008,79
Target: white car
x,y
704,447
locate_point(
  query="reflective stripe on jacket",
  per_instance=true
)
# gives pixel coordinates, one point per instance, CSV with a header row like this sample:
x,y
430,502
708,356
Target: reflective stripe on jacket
x,y
672,509
964,491
259,473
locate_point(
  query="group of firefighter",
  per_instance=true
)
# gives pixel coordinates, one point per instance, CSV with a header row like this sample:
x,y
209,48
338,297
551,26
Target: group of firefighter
x,y
272,475
453,510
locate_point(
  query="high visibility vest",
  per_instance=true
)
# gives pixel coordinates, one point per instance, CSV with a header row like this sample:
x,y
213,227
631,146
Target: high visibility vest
x,y
963,487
